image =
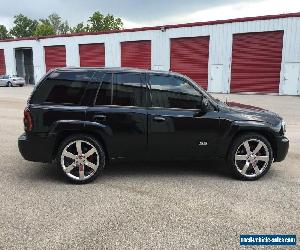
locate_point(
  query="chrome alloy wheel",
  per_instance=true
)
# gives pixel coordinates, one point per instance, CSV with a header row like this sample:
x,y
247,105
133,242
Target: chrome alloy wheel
x,y
252,158
80,160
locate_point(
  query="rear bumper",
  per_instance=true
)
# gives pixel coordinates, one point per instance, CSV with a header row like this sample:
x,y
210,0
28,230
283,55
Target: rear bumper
x,y
18,83
36,148
282,146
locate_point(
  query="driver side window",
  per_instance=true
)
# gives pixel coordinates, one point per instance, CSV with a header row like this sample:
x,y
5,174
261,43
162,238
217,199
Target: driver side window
x,y
173,92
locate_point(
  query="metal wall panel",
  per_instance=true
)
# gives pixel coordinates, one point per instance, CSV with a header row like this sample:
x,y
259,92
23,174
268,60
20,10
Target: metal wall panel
x,y
2,63
136,54
220,47
92,55
189,56
55,57
256,62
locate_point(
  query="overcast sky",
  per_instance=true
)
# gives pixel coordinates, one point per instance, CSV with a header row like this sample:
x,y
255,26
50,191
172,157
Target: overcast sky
x,y
139,13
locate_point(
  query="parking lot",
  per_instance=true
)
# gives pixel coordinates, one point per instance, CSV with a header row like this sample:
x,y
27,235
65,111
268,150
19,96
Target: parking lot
x,y
142,205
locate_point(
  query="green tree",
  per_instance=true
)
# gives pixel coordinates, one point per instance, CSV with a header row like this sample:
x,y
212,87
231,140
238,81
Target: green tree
x,y
23,26
59,26
81,27
3,32
100,22
44,29
64,28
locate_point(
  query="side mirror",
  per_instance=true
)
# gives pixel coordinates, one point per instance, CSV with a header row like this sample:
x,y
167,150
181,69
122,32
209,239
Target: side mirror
x,y
205,105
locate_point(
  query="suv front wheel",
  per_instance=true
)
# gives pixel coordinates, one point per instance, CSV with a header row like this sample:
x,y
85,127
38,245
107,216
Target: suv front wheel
x,y
80,158
250,156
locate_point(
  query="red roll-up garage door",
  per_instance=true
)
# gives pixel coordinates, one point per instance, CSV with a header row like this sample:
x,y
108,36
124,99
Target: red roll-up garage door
x,y
92,55
189,56
136,54
256,62
55,56
2,62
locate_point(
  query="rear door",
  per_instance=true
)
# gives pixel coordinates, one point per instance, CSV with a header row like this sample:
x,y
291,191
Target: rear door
x,y
120,111
178,128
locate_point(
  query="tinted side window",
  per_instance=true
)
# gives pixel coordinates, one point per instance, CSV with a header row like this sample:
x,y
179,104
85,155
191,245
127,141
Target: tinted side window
x,y
105,91
62,88
127,90
173,92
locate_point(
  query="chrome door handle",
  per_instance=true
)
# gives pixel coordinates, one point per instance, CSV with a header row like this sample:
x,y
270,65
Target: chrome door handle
x,y
159,118
101,118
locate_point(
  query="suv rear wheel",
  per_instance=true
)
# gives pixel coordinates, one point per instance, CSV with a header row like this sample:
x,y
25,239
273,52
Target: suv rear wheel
x,y
80,158
250,156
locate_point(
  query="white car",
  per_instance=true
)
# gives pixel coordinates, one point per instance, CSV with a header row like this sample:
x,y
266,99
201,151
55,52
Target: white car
x,y
9,81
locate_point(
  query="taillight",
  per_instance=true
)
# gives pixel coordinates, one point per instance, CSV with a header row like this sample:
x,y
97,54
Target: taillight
x,y
27,120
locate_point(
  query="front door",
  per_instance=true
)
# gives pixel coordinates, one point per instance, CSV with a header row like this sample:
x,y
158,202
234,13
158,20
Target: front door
x,y
290,84
177,127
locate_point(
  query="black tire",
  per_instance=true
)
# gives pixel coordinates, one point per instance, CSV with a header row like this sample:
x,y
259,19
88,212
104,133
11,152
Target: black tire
x,y
8,84
236,145
90,140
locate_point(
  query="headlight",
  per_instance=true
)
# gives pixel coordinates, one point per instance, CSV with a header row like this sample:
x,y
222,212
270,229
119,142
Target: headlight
x,y
283,126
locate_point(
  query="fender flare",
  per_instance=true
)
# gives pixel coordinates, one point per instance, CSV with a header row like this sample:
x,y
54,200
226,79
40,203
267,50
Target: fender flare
x,y
244,126
63,128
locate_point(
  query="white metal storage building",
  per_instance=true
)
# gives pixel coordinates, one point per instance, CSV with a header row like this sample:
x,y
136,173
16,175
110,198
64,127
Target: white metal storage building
x,y
247,55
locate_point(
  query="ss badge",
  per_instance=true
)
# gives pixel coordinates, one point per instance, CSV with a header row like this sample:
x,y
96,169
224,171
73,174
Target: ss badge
x,y
202,143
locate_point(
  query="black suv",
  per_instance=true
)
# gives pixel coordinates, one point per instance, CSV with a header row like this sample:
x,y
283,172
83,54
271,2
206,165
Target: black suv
x,y
84,117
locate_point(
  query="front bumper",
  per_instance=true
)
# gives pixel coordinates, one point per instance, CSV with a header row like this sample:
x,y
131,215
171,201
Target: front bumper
x,y
36,148
282,147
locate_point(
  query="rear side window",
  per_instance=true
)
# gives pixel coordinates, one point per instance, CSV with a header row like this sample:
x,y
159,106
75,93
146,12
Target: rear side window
x,y
105,92
62,88
127,90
